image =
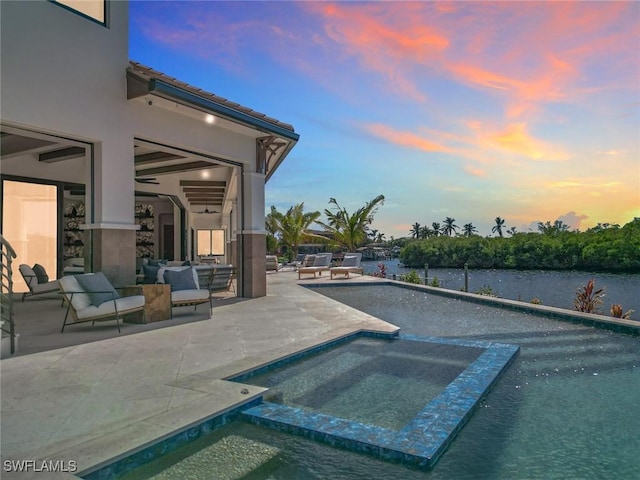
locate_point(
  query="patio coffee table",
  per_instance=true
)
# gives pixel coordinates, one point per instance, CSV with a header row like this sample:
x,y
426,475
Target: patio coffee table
x,y
157,302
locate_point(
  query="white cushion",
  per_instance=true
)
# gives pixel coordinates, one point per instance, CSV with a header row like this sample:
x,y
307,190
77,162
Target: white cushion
x,y
79,301
187,295
51,286
124,304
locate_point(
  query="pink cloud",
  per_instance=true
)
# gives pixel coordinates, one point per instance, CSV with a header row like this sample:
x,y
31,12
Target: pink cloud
x,y
405,139
527,53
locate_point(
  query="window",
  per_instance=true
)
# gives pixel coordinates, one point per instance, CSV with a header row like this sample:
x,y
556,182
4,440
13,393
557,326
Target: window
x,y
93,9
210,242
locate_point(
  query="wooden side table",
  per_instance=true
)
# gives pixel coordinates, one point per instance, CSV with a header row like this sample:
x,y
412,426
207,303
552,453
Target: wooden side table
x,y
157,302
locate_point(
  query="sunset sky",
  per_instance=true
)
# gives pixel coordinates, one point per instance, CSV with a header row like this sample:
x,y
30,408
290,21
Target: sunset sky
x,y
525,110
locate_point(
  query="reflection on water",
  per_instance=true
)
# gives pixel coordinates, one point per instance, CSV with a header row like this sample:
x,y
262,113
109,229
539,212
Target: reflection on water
x,y
564,409
553,288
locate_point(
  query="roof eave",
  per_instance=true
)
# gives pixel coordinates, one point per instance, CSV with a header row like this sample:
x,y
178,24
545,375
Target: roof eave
x,y
170,92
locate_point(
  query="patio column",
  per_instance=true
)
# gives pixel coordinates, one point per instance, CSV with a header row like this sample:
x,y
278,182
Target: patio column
x,y
110,211
253,239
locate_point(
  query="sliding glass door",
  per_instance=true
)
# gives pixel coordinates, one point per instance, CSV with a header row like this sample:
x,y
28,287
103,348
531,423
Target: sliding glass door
x,y
30,224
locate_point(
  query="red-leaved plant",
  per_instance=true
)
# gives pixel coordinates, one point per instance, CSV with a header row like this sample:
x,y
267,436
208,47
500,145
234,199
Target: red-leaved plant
x,y
588,298
382,271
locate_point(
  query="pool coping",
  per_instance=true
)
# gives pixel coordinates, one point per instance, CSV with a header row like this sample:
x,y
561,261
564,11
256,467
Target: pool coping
x,y
424,439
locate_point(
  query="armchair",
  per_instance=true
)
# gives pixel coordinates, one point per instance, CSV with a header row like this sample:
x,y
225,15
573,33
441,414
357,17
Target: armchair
x,y
185,287
91,297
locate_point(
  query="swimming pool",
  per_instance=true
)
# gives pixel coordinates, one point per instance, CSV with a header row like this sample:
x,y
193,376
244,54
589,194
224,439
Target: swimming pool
x,y
400,400
566,408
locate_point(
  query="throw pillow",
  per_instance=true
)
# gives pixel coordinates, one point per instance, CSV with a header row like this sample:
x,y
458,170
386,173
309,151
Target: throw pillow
x,y
186,263
150,274
97,287
41,273
180,279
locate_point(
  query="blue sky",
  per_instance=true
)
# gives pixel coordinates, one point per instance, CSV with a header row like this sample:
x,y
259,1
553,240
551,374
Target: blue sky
x,y
525,110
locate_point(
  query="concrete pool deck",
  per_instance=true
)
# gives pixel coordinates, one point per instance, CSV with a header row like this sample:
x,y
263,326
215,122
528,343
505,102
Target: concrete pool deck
x,y
93,402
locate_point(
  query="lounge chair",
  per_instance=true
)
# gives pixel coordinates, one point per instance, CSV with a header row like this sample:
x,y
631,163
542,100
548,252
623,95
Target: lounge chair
x,y
299,262
37,280
321,263
91,297
272,263
350,264
185,287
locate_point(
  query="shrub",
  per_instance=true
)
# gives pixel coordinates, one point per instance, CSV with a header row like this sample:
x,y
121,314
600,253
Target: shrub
x,y
487,291
616,311
435,282
588,298
411,277
536,301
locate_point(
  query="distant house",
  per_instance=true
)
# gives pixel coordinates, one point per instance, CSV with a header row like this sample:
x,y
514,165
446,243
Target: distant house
x,y
105,161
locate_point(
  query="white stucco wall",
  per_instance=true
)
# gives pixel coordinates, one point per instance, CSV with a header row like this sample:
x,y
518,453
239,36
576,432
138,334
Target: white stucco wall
x,y
64,74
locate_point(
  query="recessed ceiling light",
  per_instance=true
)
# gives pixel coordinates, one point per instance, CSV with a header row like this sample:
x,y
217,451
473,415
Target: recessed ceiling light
x,y
209,118
205,174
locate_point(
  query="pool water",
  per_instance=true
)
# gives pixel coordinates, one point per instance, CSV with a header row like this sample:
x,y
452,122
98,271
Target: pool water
x,y
258,453
566,408
383,383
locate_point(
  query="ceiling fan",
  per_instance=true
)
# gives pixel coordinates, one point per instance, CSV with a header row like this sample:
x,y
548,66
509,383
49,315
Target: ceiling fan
x,y
207,211
150,180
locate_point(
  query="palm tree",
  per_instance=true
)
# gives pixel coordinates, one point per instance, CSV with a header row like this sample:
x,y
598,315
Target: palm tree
x,y
468,229
512,231
497,228
350,230
425,232
436,229
380,238
291,227
449,226
415,230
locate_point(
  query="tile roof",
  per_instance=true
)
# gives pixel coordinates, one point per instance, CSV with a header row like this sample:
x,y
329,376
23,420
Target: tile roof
x,y
150,73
